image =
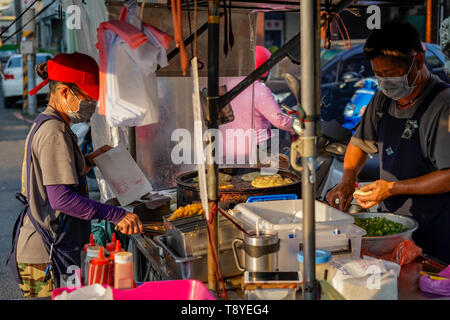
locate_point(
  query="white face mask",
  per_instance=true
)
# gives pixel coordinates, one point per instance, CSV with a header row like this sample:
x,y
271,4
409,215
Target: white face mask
x,y
397,87
85,110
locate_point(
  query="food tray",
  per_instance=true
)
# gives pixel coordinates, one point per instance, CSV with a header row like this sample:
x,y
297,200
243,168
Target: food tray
x,y
189,236
195,267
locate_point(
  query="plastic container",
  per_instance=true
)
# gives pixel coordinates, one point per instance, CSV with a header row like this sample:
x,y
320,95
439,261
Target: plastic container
x,y
335,230
158,290
323,258
87,245
100,270
91,253
123,270
111,246
118,248
272,197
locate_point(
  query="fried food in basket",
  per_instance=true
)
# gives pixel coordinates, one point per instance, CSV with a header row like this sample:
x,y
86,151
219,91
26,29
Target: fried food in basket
x,y
275,180
187,211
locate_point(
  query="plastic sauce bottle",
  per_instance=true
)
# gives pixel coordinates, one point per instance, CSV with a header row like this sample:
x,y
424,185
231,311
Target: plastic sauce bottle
x,y
111,246
87,245
123,270
118,248
91,253
100,269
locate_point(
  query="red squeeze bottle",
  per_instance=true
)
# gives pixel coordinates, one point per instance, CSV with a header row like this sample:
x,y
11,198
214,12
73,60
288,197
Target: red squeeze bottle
x,y
111,246
87,245
100,270
118,248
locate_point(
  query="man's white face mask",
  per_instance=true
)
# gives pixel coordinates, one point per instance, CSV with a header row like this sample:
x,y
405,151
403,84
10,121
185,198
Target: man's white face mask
x,y
397,87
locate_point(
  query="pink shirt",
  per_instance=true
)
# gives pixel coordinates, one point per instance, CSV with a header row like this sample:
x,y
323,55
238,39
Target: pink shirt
x,y
266,113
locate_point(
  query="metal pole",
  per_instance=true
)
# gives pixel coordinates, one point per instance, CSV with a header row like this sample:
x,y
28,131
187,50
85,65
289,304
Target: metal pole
x,y
32,100
213,92
308,23
18,25
25,83
132,141
29,103
429,20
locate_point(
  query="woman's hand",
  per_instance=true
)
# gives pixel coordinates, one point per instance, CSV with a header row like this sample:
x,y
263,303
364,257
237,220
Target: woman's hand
x,y
343,192
130,224
98,152
379,190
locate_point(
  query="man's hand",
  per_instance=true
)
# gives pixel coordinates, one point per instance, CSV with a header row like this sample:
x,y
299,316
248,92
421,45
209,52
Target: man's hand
x,y
343,192
130,224
379,190
98,152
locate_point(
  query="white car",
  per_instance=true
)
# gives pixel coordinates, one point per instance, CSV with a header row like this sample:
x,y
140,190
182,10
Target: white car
x,y
13,82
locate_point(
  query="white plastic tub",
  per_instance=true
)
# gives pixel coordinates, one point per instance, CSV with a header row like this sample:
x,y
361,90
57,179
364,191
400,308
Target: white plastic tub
x,y
333,228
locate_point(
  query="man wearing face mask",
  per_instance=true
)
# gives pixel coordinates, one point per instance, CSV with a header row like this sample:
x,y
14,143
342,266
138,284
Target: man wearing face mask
x,y
50,232
407,123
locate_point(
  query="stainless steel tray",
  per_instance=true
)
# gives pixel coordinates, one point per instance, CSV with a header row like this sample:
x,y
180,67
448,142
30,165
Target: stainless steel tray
x,y
189,236
195,267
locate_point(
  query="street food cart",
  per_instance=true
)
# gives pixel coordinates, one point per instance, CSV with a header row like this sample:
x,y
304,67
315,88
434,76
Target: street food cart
x,y
155,258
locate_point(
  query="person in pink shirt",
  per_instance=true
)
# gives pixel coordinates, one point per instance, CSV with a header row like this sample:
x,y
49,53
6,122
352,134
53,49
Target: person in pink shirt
x,y
255,108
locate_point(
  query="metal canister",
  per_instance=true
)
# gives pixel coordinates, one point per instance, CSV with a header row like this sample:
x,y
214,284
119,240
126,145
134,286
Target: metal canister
x,y
261,251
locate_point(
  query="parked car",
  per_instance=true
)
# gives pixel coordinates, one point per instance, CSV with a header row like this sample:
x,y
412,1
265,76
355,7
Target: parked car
x,y
13,82
4,57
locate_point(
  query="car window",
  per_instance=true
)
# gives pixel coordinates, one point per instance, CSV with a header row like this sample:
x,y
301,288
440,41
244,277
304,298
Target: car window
x,y
356,63
42,58
432,60
329,73
15,62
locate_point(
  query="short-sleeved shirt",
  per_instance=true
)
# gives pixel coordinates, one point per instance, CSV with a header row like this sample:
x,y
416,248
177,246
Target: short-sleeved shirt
x,y
53,150
434,125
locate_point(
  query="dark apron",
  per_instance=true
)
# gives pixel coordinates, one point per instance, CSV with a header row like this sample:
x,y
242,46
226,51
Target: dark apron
x,y
64,250
400,159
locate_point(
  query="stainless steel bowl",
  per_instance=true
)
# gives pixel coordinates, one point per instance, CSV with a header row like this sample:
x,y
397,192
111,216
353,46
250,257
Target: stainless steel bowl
x,y
385,244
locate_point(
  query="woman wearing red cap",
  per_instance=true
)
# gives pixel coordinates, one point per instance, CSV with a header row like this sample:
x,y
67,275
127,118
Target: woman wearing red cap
x,y
55,223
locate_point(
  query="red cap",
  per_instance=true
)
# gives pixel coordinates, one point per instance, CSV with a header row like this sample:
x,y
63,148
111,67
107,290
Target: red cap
x,y
77,68
90,244
111,246
117,249
261,56
101,259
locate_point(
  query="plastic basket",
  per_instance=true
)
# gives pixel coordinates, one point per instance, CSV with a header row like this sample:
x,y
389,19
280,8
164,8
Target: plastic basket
x,y
158,290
